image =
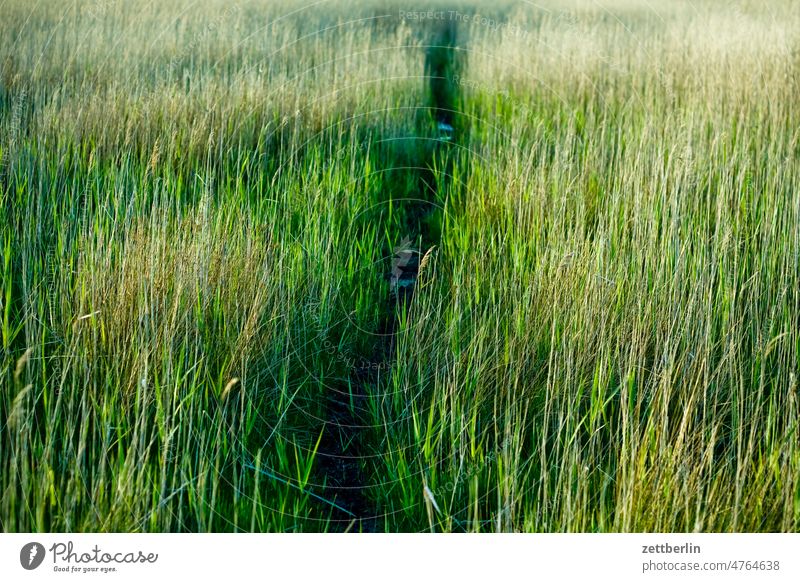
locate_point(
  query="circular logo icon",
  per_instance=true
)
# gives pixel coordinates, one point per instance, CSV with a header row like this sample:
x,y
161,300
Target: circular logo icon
x,y
31,555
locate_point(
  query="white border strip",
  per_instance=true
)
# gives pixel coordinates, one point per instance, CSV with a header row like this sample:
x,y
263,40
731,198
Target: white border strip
x,y
408,557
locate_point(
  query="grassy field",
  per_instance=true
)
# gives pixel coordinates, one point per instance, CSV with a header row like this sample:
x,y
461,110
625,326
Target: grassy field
x,y
249,282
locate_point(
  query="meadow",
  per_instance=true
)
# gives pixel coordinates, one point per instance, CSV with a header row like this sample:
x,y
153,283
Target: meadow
x,y
374,266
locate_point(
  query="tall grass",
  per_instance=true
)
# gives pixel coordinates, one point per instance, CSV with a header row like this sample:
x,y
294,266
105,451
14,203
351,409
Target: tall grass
x,y
199,207
610,338
175,257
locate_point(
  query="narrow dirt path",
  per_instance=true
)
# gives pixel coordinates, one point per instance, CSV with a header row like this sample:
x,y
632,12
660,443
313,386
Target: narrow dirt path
x,y
345,442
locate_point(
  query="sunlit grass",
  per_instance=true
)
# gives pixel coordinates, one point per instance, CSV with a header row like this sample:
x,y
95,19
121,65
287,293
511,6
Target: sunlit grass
x,y
196,225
